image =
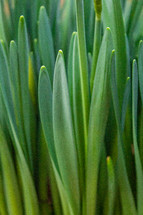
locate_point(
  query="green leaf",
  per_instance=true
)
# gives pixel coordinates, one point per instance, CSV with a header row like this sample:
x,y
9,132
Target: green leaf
x,y
112,17
64,135
97,121
78,115
5,84
140,68
30,197
23,55
2,27
70,67
46,42
127,199
45,105
3,209
65,23
134,18
97,44
83,65
15,88
11,189
111,186
139,170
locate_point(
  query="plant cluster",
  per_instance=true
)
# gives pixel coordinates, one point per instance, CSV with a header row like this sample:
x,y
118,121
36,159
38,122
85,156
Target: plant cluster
x,y
71,107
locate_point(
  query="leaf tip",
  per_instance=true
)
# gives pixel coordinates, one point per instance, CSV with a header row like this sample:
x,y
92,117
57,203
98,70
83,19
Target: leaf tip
x,y
108,29
42,9
43,68
22,19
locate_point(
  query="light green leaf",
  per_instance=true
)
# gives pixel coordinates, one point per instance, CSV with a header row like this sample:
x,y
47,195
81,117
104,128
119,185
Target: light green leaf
x,y
46,42
70,67
127,199
45,106
97,121
23,55
64,135
112,17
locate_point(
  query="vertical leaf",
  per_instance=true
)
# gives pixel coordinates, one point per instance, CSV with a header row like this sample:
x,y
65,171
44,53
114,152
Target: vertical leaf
x,y
139,170
64,135
112,16
83,64
111,186
10,182
127,199
97,121
23,55
46,42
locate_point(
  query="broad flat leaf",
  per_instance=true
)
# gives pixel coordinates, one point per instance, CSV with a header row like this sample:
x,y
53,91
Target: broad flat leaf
x,y
97,121
45,105
46,42
65,22
64,138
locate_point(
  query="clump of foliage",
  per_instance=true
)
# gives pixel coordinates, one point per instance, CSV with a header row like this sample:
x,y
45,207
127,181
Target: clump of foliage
x,y
71,107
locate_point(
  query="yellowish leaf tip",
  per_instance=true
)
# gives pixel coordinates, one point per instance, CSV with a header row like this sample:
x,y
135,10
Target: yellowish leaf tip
x,y
35,40
43,67
134,60
108,28
12,42
108,159
113,51
74,33
42,8
22,18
